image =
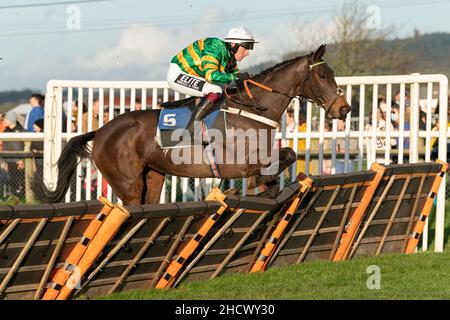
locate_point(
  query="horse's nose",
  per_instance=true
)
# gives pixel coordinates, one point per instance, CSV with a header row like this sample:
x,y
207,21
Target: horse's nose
x,y
344,110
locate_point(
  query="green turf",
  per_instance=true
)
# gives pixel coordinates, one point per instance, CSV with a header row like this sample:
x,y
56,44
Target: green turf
x,y
417,276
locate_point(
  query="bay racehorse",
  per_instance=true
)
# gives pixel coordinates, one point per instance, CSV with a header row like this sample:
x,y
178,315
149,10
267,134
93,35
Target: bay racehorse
x,y
127,153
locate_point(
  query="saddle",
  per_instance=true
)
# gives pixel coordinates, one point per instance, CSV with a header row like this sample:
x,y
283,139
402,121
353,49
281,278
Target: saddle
x,y
175,116
179,103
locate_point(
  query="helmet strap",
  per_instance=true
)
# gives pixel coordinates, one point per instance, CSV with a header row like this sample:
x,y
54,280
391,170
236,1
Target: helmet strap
x,y
231,64
234,49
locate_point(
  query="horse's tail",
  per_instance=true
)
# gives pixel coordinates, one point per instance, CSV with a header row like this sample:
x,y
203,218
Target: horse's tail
x,y
67,163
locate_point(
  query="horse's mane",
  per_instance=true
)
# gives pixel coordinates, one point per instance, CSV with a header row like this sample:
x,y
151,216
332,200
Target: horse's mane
x,y
269,70
279,66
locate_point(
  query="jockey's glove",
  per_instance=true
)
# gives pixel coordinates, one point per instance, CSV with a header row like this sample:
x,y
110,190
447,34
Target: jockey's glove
x,y
243,76
240,77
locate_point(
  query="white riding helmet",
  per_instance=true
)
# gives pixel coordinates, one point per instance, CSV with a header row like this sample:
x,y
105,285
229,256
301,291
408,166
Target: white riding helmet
x,y
242,36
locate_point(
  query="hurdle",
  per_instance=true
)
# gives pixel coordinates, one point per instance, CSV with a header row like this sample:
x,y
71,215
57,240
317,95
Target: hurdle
x,y
92,248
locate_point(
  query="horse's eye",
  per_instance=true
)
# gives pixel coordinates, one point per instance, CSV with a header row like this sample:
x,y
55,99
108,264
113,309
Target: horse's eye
x,y
322,75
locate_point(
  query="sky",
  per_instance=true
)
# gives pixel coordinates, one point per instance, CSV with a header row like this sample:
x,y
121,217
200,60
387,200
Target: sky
x,y
136,39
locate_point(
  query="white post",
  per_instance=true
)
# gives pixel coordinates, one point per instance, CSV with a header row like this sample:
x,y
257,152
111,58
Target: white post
x,y
69,127
414,124
348,125
387,154
373,140
361,128
308,137
111,116
79,130
321,139
333,146
295,141
440,206
52,134
284,143
401,124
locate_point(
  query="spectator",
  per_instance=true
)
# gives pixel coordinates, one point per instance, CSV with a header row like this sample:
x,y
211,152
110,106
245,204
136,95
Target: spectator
x,y
327,163
138,104
105,115
2,127
3,165
396,101
435,141
395,117
22,111
380,141
14,166
95,115
290,128
341,150
407,127
12,125
422,120
37,146
382,103
75,112
2,123
37,111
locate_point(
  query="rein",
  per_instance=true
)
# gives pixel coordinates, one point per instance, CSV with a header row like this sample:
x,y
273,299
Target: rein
x,y
317,100
250,95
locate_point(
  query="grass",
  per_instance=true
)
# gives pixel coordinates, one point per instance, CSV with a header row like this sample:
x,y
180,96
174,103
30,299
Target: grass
x,y
14,201
4,107
417,276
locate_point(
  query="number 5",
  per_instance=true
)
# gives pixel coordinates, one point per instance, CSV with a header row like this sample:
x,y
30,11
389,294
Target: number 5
x,y
169,120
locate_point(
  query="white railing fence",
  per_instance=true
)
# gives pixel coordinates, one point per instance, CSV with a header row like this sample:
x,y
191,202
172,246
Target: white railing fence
x,y
351,145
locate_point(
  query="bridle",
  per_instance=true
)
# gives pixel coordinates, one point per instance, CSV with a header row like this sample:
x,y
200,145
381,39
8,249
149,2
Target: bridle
x,y
318,100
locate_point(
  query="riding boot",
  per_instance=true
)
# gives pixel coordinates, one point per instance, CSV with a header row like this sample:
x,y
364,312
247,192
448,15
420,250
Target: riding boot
x,y
200,112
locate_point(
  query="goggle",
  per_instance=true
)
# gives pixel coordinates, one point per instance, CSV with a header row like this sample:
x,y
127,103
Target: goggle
x,y
247,45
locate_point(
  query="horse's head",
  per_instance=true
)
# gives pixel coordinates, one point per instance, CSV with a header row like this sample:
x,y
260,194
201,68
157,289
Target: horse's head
x,y
320,87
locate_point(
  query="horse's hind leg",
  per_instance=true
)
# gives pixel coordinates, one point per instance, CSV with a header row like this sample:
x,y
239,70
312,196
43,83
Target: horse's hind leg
x,y
154,181
129,192
127,186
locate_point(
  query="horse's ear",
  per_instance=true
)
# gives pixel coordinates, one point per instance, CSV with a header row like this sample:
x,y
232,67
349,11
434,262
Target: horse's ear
x,y
320,52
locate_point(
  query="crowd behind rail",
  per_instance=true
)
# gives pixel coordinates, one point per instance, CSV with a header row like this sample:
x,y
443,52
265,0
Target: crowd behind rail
x,y
20,160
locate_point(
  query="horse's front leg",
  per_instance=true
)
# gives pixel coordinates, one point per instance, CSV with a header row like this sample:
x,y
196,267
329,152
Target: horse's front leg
x,y
269,175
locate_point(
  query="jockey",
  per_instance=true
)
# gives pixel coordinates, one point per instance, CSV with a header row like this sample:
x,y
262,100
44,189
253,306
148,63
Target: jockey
x,y
207,65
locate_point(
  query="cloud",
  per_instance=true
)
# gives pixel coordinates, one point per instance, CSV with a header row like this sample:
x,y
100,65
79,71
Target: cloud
x,y
290,37
148,46
152,47
143,52
138,45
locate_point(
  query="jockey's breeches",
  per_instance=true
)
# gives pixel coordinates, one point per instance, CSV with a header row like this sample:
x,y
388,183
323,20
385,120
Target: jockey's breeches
x,y
189,84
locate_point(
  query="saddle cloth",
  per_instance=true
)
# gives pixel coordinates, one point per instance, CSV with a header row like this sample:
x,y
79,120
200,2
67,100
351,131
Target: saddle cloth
x,y
178,118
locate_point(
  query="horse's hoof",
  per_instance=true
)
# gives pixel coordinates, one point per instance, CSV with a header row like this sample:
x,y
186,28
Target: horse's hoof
x,y
269,193
231,191
300,177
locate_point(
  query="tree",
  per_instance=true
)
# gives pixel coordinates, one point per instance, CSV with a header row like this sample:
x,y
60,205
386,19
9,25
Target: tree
x,y
358,44
361,46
